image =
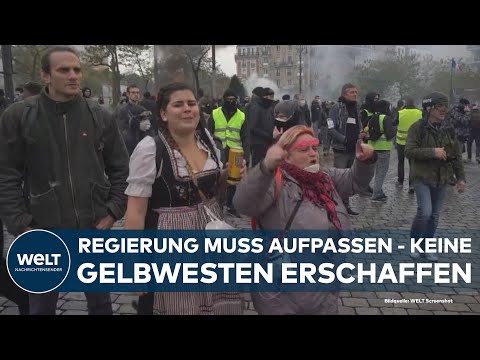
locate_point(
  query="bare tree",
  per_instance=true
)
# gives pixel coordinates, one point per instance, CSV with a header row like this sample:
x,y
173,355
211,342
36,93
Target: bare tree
x,y
197,57
112,56
26,61
142,62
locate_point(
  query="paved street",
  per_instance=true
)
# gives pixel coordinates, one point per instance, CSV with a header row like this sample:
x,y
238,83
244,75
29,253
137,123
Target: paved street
x,y
460,212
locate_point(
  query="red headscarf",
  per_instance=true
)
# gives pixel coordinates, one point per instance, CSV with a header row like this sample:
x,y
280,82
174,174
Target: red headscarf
x,y
317,188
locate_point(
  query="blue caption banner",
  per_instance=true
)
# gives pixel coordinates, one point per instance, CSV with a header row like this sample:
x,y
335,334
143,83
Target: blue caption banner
x,y
243,261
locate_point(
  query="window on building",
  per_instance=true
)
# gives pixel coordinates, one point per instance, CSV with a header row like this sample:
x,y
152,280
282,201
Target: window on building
x,y
278,47
265,71
265,60
278,72
258,50
239,51
289,82
248,52
289,72
252,64
278,83
244,64
289,59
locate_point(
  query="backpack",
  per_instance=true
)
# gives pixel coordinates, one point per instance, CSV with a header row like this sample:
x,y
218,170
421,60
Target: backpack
x,y
278,186
373,125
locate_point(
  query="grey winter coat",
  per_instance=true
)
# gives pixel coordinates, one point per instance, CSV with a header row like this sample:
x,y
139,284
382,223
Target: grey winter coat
x,y
255,197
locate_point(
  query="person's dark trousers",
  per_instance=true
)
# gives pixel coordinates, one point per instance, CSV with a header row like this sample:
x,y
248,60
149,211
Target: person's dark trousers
x,y
145,304
401,165
430,200
474,136
11,291
343,160
98,303
258,153
230,193
7,287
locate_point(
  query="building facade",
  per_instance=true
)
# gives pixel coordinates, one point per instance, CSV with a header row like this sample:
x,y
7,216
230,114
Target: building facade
x,y
282,65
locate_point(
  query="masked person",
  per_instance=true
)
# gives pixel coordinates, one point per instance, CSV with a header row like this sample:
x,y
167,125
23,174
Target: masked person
x,y
139,126
286,116
227,123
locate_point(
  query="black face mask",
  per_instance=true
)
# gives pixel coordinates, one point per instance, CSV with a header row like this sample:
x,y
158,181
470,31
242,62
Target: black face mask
x,y
230,105
267,102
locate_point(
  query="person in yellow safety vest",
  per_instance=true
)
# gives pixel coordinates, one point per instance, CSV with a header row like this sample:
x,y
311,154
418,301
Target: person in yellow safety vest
x,y
227,123
382,146
406,118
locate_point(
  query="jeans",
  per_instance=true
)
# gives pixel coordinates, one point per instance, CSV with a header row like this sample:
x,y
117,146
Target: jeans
x,y
343,160
381,169
429,204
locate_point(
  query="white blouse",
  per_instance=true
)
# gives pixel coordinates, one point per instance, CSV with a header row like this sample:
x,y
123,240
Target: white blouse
x,y
142,168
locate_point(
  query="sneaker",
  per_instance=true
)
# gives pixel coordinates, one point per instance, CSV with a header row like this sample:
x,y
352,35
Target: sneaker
x,y
431,257
351,212
415,255
381,198
411,190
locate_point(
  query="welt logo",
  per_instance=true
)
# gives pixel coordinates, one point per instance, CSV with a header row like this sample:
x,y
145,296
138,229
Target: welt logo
x,y
38,259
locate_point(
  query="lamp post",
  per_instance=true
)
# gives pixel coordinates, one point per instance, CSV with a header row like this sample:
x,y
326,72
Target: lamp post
x,y
213,71
301,49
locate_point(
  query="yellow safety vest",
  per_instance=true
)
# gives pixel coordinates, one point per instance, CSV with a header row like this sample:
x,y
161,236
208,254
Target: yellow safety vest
x,y
228,132
382,143
406,118
365,129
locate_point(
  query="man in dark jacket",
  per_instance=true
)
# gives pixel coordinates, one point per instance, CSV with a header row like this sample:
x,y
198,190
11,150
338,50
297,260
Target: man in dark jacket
x,y
261,121
344,126
435,158
73,160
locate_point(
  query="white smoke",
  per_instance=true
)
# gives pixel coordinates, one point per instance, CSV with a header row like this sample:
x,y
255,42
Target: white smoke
x,y
254,81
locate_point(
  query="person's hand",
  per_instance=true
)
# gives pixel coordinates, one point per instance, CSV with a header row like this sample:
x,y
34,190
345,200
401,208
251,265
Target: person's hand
x,y
277,133
440,153
243,168
364,151
460,186
105,223
274,157
362,135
